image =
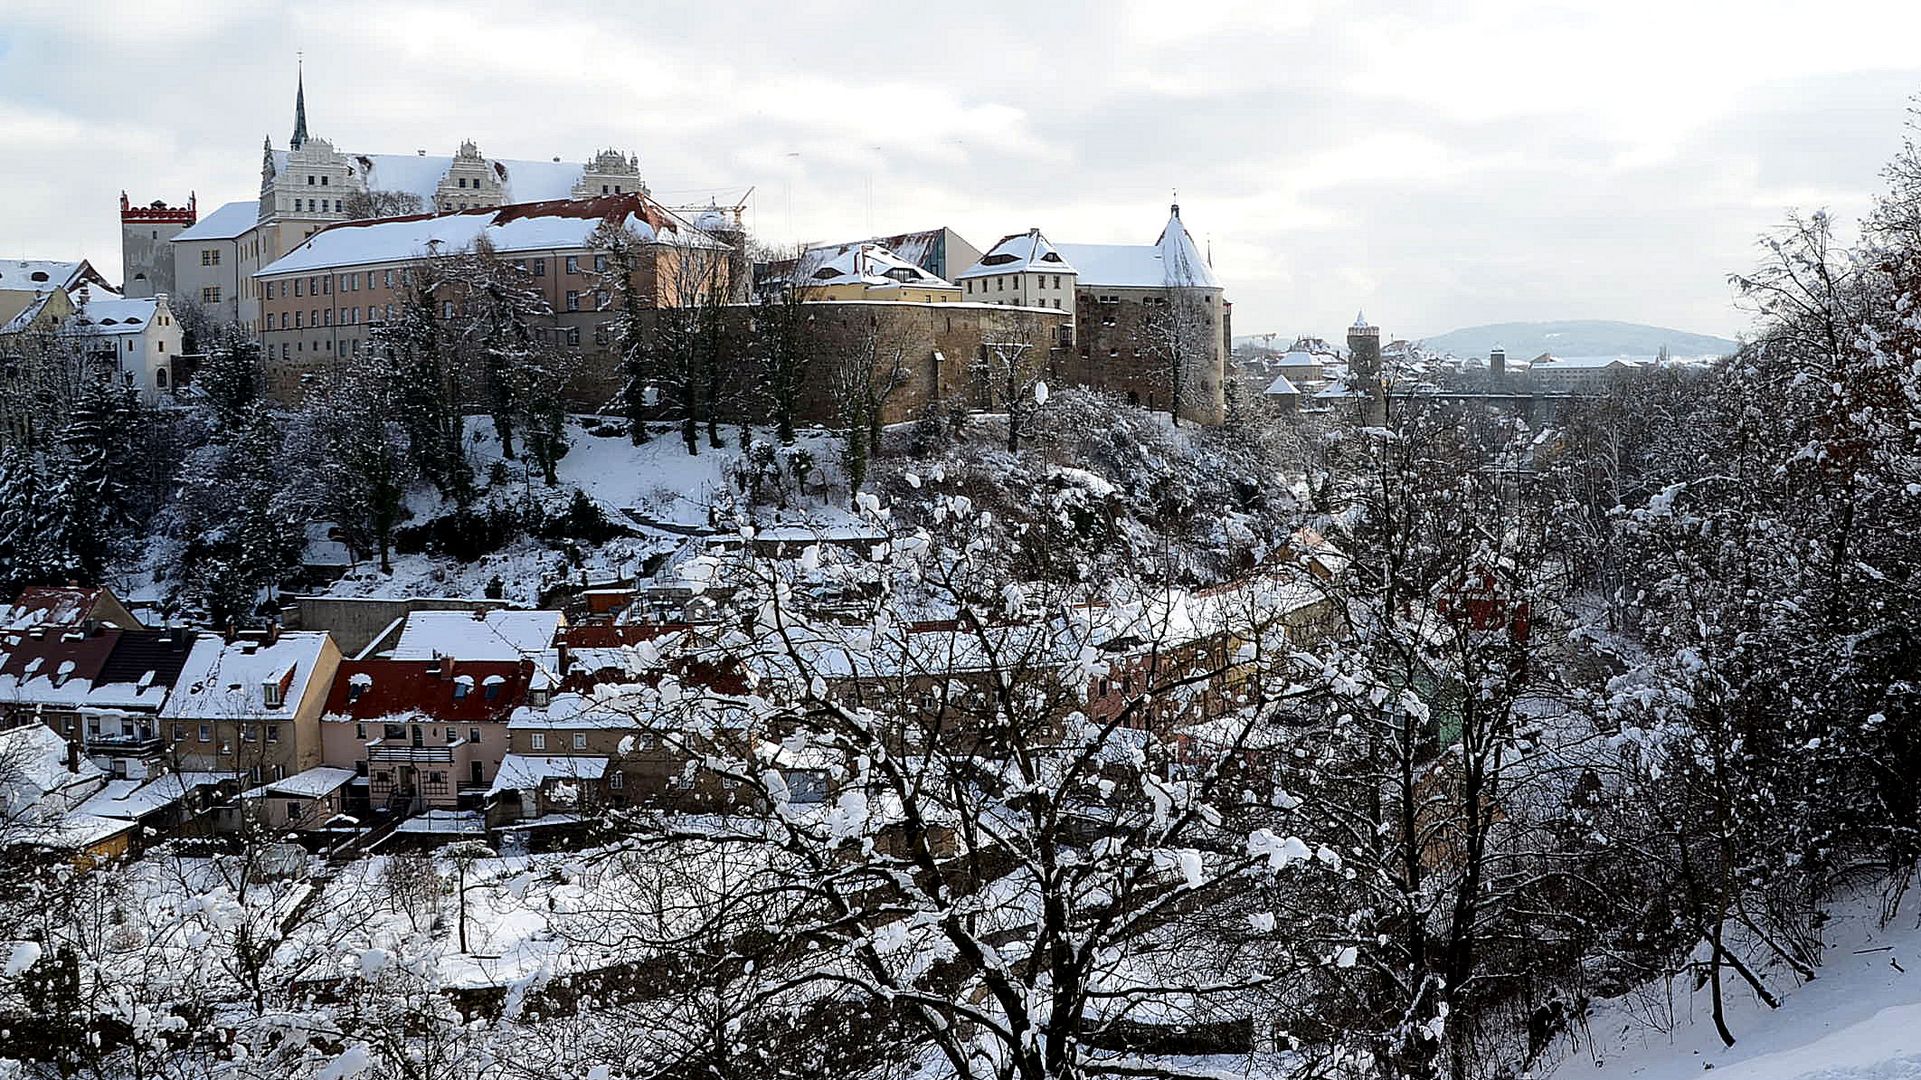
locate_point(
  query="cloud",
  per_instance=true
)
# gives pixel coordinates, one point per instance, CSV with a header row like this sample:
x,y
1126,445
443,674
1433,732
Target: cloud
x,y
1439,164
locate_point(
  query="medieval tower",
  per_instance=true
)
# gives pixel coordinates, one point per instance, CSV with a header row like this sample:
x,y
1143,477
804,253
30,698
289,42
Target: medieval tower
x,y
1364,370
146,256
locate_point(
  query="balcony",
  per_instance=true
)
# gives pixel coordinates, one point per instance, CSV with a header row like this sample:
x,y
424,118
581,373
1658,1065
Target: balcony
x,y
136,745
403,754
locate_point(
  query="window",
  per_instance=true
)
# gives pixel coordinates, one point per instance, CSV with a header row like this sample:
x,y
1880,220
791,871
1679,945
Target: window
x,y
446,309
573,300
330,316
210,256
323,181
573,336
360,729
160,378
453,735
393,731
270,290
473,734
461,687
270,693
370,278
573,264
463,181
540,267
273,732
310,181
210,295
600,263
298,285
327,285
618,780
538,740
1057,281
580,740
389,278
297,316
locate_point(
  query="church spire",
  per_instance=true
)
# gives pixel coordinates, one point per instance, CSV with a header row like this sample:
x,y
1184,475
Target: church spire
x,y
299,107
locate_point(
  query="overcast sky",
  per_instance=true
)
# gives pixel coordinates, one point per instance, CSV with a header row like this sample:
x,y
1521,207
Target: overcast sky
x,y
1441,164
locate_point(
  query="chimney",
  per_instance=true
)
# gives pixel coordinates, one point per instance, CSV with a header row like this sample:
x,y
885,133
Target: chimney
x,y
273,631
73,756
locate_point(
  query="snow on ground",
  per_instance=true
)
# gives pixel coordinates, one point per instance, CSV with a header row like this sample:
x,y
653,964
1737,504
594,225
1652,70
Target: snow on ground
x,y
656,488
1860,1019
658,478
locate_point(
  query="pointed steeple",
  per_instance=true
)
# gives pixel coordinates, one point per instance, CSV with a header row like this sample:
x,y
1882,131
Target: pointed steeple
x,y
299,108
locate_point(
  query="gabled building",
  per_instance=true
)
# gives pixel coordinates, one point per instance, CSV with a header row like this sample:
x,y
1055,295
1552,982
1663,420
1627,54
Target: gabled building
x,y
100,687
141,339
251,705
214,260
23,279
422,733
1022,270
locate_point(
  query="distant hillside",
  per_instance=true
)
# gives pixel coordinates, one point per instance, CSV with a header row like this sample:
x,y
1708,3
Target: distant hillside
x,y
1578,337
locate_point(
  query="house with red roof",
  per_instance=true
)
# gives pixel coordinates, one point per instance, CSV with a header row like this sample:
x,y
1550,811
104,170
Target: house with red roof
x,y
422,733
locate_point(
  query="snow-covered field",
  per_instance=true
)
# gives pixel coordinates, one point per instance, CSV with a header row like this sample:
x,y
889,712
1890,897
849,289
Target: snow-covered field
x,y
1860,1019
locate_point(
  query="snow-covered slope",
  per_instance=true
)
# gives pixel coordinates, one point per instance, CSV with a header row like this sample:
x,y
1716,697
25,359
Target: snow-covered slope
x,y
1860,1017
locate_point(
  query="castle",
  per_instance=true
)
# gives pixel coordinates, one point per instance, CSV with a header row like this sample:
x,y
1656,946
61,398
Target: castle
x,y
311,185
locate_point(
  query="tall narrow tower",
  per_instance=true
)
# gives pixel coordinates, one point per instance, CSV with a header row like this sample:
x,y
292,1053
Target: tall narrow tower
x,y
1364,369
146,254
299,107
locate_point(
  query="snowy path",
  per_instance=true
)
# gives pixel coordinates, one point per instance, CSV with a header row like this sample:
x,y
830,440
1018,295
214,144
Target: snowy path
x,y
1860,1020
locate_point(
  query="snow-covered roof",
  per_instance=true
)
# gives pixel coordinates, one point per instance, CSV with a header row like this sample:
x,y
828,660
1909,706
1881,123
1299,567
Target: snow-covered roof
x,y
1173,261
223,224
224,680
113,315
494,634
49,605
33,762
1017,253
314,783
574,712
36,275
560,225
134,799
524,772
1298,358
1280,387
874,266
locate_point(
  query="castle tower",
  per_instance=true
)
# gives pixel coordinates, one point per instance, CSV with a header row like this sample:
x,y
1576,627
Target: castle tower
x,y
146,254
1364,369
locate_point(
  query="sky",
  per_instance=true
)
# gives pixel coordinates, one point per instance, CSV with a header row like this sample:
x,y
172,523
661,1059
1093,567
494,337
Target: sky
x,y
1439,164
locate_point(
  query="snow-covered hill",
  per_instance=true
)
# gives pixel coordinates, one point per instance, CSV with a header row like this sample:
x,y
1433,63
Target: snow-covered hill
x,y
1860,1017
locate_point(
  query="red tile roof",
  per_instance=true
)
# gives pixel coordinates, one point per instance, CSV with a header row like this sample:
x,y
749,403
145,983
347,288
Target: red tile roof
x,y
372,689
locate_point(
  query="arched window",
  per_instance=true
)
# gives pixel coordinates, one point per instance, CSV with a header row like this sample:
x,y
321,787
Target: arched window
x,y
160,378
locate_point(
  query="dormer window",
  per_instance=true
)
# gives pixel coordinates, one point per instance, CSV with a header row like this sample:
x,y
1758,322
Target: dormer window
x,y
999,258
270,693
